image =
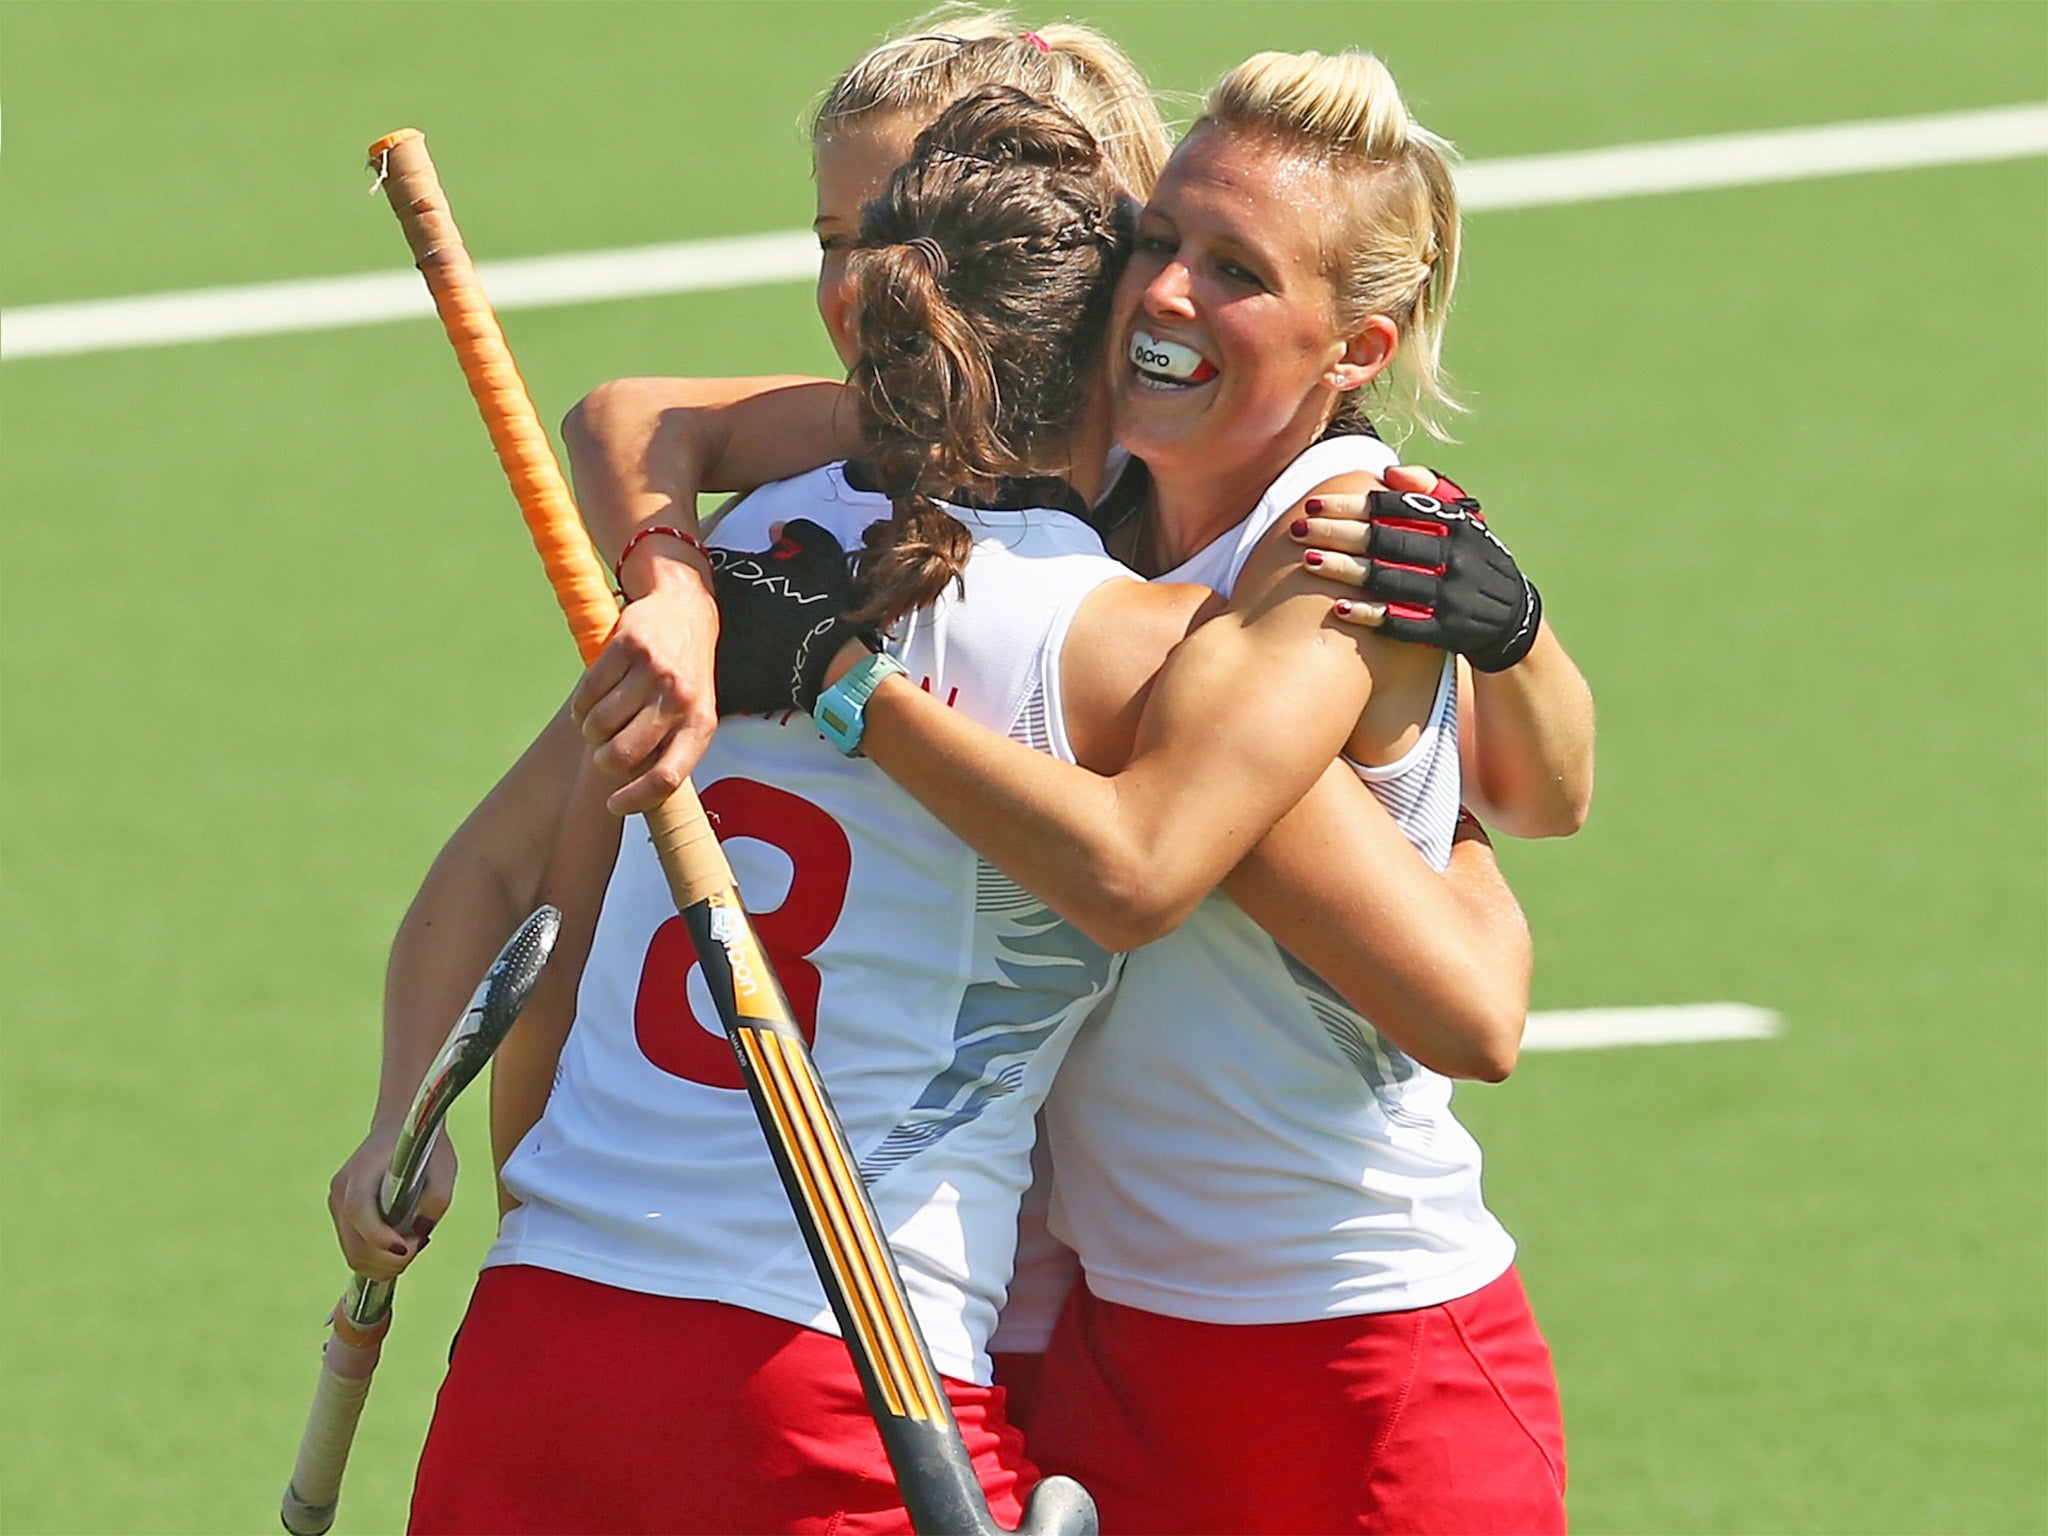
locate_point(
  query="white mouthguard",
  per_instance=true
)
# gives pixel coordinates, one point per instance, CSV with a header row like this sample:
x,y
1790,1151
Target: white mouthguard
x,y
1170,360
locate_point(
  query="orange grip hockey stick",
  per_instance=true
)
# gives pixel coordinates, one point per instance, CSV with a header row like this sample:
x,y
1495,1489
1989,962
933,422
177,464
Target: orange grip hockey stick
x,y
933,1471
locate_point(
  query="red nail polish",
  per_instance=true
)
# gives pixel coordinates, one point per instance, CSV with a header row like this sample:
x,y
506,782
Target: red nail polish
x,y
1312,557
1299,527
1343,608
1313,505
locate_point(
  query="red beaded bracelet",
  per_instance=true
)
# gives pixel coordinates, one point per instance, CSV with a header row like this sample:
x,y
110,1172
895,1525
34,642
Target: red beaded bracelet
x,y
619,568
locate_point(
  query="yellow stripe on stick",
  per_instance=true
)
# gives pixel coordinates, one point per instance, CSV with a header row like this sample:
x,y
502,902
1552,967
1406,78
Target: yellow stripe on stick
x,y
873,1248
839,1217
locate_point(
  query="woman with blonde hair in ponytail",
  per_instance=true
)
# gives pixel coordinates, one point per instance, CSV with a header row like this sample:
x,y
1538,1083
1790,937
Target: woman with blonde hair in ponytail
x,y
1296,1313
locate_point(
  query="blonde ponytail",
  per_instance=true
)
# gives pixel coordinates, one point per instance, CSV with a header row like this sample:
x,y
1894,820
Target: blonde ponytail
x,y
956,49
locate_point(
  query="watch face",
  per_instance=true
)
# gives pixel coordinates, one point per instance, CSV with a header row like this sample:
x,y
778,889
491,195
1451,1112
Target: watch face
x,y
841,711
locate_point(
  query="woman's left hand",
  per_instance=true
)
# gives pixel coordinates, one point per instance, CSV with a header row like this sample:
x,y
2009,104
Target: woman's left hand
x,y
1430,569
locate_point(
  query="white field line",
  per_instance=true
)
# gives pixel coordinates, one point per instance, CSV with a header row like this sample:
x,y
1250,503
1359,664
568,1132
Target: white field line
x,y
1528,181
1752,159
329,303
1586,1029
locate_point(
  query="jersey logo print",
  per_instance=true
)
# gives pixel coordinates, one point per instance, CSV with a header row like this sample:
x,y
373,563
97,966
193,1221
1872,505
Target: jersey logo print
x,y
1051,971
1384,1065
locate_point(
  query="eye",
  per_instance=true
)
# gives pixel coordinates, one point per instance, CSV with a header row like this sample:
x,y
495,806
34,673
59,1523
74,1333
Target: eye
x,y
835,245
1237,272
1157,245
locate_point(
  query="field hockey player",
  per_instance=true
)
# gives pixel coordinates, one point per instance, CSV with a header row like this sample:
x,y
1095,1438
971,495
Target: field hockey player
x,y
1377,1283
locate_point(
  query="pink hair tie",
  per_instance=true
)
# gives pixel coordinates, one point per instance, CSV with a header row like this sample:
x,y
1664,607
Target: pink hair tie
x,y
1035,41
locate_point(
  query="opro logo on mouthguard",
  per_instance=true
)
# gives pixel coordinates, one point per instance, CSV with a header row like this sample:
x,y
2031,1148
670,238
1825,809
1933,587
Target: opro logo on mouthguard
x,y
1170,360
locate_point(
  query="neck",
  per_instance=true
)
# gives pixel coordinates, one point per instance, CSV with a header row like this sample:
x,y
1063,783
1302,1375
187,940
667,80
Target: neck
x,y
1088,447
1193,504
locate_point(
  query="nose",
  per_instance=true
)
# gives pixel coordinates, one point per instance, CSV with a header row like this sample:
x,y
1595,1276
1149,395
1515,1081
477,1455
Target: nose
x,y
1168,294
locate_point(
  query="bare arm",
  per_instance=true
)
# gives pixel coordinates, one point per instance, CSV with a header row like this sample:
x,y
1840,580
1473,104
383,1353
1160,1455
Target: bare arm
x,y
1440,964
641,450
1245,716
579,868
484,882
1527,748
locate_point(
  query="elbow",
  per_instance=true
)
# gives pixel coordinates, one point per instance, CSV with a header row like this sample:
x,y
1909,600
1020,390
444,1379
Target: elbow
x,y
593,417
576,430
1566,817
1574,805
1485,1045
1487,1051
1130,907
1483,1059
1560,812
1496,1058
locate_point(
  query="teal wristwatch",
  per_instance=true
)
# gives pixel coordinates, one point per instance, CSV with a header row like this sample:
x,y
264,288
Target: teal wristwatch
x,y
841,710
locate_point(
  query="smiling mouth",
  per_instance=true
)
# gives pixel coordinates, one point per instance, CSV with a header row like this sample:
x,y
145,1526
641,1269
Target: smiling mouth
x,y
1168,364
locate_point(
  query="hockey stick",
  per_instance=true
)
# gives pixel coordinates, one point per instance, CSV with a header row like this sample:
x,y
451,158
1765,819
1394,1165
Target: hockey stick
x,y
364,1315
934,1473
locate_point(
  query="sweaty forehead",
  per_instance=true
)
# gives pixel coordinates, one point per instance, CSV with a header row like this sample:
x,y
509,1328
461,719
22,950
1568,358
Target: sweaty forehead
x,y
1249,169
854,162
1255,184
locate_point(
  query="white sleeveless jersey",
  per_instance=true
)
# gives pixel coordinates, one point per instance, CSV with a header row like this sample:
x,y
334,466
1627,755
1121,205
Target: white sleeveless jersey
x,y
943,995
1234,1142
1219,563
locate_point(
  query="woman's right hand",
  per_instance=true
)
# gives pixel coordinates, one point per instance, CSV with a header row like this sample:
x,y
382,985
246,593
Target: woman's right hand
x,y
368,1242
1431,571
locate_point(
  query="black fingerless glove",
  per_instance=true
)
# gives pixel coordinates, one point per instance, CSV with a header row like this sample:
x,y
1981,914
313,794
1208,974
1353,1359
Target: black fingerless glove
x,y
781,619
1446,580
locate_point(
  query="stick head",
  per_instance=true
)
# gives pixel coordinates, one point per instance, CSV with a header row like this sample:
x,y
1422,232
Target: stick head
x,y
509,982
493,1009
1059,1506
497,1003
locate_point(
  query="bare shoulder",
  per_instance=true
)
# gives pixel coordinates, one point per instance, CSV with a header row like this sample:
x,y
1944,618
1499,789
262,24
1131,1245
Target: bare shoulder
x,y
1119,640
1278,556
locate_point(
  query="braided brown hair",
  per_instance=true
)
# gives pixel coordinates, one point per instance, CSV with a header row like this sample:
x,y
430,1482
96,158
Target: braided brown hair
x,y
981,297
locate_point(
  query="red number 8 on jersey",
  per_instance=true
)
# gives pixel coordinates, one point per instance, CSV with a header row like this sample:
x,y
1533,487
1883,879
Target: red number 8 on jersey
x,y
664,1022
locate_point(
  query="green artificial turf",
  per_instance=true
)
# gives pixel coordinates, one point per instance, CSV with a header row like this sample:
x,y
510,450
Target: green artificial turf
x,y
1776,455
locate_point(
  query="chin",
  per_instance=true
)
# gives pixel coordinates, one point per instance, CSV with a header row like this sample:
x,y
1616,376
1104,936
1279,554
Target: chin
x,y
1148,425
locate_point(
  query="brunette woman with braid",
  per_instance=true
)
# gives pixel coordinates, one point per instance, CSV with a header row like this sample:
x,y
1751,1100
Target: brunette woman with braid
x,y
648,1348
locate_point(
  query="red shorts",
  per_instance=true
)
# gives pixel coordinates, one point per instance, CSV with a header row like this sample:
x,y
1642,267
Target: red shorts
x,y
1443,1419
577,1407
1017,1374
